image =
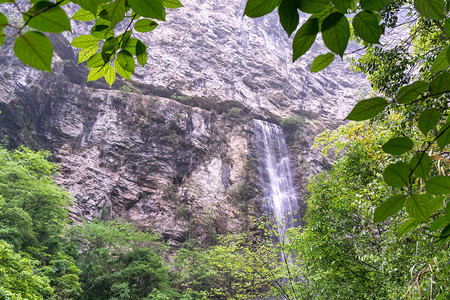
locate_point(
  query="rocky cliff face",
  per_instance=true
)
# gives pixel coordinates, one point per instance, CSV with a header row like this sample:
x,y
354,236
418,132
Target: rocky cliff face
x,y
173,150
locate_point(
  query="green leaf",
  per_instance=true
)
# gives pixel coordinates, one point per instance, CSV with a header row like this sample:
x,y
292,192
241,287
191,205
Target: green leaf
x,y
429,119
34,49
447,27
397,174
344,5
313,6
90,5
398,146
448,54
440,84
96,73
102,29
444,135
130,46
366,109
126,60
447,213
418,207
110,75
365,24
445,233
3,21
438,185
121,71
259,8
336,32
435,202
141,53
83,15
85,41
115,12
288,14
439,223
407,226
110,44
305,37
421,164
411,92
145,25
431,9
53,19
389,208
321,62
172,4
85,54
440,63
95,61
149,8
374,5
2,38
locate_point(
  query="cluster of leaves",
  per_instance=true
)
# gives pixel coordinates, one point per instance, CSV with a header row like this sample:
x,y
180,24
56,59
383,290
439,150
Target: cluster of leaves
x,y
105,51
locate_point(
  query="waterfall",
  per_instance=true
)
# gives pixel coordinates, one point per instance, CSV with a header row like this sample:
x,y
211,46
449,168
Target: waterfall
x,y
280,199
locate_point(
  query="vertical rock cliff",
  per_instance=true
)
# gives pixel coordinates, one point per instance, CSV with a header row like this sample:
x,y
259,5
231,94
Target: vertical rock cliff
x,y
174,149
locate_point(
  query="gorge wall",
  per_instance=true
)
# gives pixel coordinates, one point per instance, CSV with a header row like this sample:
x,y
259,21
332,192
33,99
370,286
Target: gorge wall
x,y
174,148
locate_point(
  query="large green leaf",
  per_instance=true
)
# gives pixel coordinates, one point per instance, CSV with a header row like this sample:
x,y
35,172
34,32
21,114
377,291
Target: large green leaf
x,y
421,164
97,73
110,75
3,21
444,135
397,174
365,24
431,9
313,6
83,15
126,60
366,109
440,85
438,185
114,12
289,17
389,208
172,4
439,223
130,46
344,5
90,5
121,71
85,41
407,226
34,49
321,62
305,37
50,19
141,53
429,119
418,207
145,25
441,62
398,146
336,32
149,8
2,38
374,5
447,27
411,92
85,54
95,61
259,8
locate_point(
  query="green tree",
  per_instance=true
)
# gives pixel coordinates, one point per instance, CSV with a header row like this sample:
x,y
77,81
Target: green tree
x,y
19,276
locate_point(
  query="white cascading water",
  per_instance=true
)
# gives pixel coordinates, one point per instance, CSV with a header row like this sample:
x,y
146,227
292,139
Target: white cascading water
x,y
280,197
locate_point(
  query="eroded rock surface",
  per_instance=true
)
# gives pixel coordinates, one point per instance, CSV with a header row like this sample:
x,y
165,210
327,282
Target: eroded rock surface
x,y
173,150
